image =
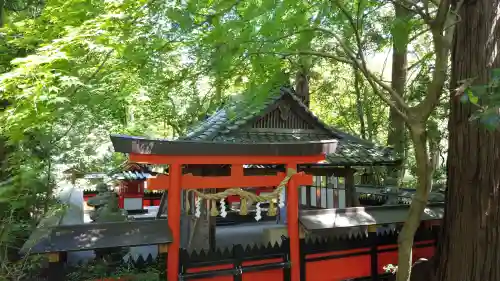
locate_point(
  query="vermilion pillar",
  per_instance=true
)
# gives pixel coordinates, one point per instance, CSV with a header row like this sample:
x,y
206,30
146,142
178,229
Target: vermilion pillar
x,y
174,220
292,200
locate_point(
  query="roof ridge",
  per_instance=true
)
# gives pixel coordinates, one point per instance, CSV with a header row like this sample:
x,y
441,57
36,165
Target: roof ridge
x,y
348,136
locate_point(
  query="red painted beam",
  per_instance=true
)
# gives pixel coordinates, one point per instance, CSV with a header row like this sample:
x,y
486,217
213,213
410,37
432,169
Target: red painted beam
x,y
189,181
216,159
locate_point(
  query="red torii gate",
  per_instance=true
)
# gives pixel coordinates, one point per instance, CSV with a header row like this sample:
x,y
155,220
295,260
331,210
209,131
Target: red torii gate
x,y
179,153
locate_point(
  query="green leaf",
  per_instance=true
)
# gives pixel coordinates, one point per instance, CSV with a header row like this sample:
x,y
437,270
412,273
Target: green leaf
x,y
180,17
400,31
495,74
491,121
478,90
472,98
58,100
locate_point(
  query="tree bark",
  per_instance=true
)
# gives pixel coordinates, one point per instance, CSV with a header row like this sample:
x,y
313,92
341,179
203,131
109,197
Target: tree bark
x,y
352,197
2,13
396,136
359,103
434,138
470,239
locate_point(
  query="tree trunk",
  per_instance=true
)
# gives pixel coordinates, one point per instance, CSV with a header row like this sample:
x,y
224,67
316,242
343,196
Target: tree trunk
x,y
419,202
434,138
2,13
396,136
470,239
370,123
359,103
352,197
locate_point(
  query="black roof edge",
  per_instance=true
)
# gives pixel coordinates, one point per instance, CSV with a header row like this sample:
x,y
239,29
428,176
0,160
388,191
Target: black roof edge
x,y
312,220
130,144
78,237
354,164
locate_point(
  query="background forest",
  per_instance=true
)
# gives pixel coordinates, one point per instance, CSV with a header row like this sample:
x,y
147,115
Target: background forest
x,y
74,71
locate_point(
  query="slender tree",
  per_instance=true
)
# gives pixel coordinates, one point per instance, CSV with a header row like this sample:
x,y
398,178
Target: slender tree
x,y
400,38
440,21
471,230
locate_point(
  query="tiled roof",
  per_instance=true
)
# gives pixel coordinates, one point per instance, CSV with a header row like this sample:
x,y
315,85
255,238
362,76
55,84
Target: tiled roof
x,y
230,122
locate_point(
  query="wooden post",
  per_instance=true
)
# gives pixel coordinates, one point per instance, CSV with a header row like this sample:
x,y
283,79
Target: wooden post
x,y
238,257
56,267
352,199
293,224
174,220
162,261
302,262
163,248
285,246
372,235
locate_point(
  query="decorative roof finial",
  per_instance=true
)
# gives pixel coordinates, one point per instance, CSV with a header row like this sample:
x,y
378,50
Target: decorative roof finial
x,y
302,85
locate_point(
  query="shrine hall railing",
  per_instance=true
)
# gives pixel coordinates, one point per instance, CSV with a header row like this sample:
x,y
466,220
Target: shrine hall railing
x,y
267,261
361,256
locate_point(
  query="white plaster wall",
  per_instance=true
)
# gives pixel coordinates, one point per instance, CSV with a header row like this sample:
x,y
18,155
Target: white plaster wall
x,y
323,197
330,193
73,199
313,196
303,195
132,203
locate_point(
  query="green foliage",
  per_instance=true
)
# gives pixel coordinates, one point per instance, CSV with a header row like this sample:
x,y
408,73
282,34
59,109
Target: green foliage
x,y
73,71
24,198
334,101
78,69
101,269
484,100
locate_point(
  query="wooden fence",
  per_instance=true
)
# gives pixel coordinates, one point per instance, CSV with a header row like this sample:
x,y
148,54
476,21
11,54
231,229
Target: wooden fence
x,y
360,257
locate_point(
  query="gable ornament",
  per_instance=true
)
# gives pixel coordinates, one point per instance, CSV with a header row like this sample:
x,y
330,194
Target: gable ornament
x,y
284,111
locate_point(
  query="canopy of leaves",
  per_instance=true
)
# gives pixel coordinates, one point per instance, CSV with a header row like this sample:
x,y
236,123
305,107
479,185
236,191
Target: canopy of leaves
x,y
73,71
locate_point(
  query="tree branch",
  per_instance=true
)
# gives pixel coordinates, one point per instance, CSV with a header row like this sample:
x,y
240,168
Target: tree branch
x,y
400,105
362,61
372,79
92,76
442,14
420,33
354,26
419,61
442,46
412,7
